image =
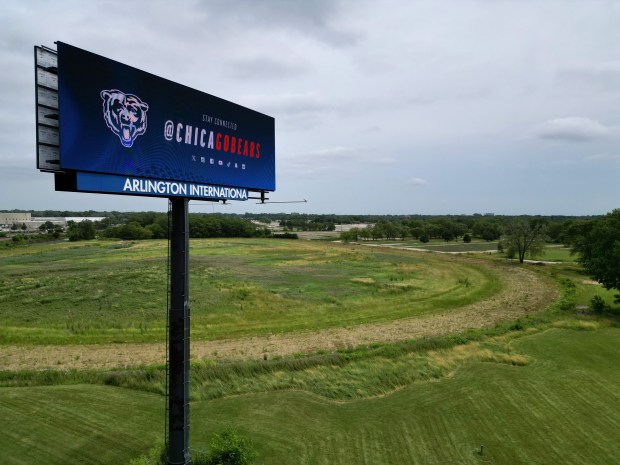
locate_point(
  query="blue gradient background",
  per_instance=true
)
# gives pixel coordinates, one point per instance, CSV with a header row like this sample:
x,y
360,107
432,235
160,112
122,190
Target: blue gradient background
x,y
87,144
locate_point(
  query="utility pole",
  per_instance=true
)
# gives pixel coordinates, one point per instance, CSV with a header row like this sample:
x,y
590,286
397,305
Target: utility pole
x,y
178,351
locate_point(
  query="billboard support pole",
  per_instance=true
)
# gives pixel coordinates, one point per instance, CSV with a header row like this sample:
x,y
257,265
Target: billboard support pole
x,y
178,349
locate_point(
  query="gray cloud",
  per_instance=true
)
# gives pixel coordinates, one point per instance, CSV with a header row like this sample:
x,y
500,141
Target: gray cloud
x,y
605,157
290,103
419,182
573,129
264,68
602,75
322,20
332,162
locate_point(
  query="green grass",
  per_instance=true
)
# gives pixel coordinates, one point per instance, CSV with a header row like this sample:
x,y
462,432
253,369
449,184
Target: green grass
x,y
552,252
585,287
555,253
476,246
99,292
540,390
563,406
523,415
77,424
442,246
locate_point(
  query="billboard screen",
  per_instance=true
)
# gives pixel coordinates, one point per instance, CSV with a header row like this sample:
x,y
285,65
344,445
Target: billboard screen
x,y
118,120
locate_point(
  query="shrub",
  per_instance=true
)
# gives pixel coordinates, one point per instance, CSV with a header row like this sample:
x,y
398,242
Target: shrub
x,y
598,304
156,456
229,448
517,325
18,238
569,290
467,238
286,235
226,448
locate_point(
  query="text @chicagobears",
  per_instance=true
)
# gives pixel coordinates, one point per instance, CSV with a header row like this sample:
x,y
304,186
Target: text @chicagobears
x,y
213,140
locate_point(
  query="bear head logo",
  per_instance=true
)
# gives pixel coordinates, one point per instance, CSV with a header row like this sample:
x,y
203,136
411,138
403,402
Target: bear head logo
x,y
125,115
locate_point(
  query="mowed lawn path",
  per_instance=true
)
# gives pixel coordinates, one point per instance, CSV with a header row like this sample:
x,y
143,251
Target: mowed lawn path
x,y
523,291
562,408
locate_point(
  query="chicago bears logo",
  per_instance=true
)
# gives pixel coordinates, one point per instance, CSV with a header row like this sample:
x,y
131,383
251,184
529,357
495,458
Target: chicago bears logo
x,y
125,115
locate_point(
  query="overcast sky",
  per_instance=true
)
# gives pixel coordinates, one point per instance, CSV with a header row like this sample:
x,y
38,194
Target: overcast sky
x,y
395,107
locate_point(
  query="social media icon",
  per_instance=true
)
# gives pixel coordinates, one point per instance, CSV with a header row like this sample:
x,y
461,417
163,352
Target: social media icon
x,y
168,130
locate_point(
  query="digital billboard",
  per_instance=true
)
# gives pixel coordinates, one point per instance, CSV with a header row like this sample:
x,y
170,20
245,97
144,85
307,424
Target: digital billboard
x,y
117,120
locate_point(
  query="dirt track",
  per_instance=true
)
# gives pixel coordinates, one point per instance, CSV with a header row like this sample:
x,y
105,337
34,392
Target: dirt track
x,y
524,292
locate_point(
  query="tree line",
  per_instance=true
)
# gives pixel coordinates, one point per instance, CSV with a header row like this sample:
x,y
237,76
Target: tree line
x,y
152,225
462,228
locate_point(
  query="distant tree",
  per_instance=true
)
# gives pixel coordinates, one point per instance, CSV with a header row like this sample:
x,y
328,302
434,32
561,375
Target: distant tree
x,y
556,230
48,225
87,229
459,229
391,230
84,230
466,238
416,231
524,236
130,231
73,232
351,235
403,231
487,230
597,244
157,231
433,230
377,231
424,238
447,235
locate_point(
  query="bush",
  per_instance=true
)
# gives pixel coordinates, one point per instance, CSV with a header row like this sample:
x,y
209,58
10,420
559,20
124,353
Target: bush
x,y
569,291
131,231
230,448
286,235
598,304
156,456
227,448
467,238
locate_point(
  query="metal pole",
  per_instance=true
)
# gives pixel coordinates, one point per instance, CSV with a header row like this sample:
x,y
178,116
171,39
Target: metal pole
x,y
178,355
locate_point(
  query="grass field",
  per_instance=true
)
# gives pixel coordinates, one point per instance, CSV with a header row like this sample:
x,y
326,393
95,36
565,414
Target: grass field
x,y
116,291
558,253
540,389
442,246
563,407
552,252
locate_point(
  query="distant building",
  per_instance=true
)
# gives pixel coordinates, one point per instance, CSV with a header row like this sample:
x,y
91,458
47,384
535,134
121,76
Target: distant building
x,y
9,219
